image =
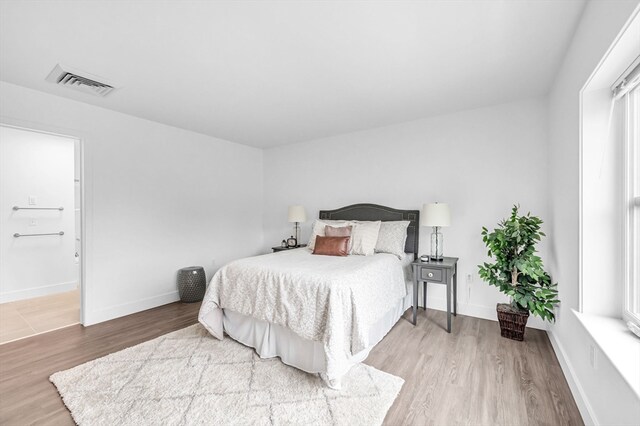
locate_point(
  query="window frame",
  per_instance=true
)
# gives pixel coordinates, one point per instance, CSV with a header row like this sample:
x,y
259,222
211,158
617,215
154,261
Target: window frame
x,y
631,207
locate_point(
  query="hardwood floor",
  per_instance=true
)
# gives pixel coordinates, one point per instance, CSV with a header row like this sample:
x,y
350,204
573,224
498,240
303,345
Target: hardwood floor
x,y
27,396
471,376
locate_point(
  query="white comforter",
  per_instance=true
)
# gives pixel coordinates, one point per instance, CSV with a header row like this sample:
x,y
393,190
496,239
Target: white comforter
x,y
333,300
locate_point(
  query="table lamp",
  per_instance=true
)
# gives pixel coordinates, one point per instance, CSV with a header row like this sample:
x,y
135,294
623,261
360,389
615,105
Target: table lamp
x,y
436,215
297,215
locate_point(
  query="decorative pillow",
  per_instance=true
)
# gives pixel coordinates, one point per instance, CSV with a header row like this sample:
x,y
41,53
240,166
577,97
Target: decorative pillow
x,y
338,231
332,246
364,237
392,237
318,229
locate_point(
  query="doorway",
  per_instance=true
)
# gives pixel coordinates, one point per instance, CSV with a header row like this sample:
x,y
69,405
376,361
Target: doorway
x,y
40,232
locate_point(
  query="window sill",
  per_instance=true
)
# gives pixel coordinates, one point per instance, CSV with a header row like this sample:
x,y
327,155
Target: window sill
x,y
618,343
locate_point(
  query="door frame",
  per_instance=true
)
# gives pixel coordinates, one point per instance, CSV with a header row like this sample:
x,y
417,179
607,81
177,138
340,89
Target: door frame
x,y
79,146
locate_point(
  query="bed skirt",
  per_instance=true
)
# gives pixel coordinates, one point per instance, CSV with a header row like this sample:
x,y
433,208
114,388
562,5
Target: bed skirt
x,y
272,340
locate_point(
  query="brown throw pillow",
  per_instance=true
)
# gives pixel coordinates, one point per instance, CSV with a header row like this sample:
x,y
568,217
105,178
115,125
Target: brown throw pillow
x,y
332,246
337,231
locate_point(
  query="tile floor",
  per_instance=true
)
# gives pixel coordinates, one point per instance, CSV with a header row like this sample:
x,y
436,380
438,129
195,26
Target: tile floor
x,y
29,317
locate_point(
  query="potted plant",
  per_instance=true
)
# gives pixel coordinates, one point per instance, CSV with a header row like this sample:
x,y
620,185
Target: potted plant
x,y
518,272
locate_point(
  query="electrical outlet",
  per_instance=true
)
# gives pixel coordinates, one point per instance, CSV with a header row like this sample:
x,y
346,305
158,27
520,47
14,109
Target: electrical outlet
x,y
469,278
33,200
33,222
593,357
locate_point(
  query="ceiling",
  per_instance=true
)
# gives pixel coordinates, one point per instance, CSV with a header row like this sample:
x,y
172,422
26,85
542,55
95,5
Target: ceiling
x,y
277,72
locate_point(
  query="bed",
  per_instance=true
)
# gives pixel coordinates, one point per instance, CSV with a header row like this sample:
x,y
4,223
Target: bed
x,y
321,314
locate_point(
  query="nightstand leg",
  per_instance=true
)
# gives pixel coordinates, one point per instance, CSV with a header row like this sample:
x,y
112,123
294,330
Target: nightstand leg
x,y
424,295
449,306
415,303
415,296
455,291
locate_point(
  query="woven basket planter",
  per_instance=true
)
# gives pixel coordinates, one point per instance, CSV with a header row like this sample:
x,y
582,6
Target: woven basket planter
x,y
512,321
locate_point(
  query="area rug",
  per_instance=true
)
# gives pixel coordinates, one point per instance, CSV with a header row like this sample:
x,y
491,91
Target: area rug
x,y
188,377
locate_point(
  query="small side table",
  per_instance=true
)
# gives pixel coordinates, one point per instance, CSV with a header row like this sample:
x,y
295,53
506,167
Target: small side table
x,y
278,248
192,284
443,271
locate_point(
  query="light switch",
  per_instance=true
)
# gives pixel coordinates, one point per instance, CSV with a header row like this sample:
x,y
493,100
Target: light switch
x,y
593,357
32,200
33,222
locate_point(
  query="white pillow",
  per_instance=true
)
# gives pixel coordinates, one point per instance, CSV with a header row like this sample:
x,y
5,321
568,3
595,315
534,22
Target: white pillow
x,y
318,229
392,237
364,237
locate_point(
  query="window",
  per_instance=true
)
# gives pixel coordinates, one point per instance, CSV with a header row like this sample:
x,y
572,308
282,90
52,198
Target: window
x,y
631,310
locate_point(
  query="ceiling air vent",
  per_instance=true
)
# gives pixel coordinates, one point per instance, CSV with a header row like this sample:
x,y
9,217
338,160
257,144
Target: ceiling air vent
x,y
85,82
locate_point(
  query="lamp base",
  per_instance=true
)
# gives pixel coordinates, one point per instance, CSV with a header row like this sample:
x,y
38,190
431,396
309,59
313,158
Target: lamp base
x,y
436,245
436,259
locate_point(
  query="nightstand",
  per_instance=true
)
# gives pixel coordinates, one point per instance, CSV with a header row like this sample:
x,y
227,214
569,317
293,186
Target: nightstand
x,y
443,271
277,249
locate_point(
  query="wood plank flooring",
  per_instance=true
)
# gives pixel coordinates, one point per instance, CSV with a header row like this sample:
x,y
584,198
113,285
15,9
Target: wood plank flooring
x,y
471,376
27,396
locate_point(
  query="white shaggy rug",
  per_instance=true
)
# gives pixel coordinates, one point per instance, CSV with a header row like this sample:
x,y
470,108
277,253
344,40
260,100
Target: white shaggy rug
x,y
188,377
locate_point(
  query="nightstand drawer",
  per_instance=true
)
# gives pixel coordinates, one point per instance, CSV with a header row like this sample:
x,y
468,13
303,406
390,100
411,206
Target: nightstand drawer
x,y
432,274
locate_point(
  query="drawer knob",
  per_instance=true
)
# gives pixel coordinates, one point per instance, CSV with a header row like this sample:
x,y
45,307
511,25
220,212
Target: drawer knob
x,y
430,274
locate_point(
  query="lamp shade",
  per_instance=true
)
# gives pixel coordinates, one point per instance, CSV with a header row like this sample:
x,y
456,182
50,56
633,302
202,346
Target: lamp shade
x,y
435,214
297,214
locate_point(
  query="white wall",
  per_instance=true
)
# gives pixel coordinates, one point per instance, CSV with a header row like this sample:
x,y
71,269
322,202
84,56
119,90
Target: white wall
x,y
39,168
480,161
602,394
157,198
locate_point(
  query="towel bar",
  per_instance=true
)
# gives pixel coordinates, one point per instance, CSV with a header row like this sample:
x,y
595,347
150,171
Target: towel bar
x,y
38,208
17,235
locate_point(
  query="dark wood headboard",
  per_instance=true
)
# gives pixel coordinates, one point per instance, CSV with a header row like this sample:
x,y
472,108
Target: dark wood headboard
x,y
376,212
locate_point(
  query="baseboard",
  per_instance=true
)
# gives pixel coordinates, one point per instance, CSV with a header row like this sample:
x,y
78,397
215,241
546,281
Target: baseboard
x,y
129,308
588,416
30,293
478,311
